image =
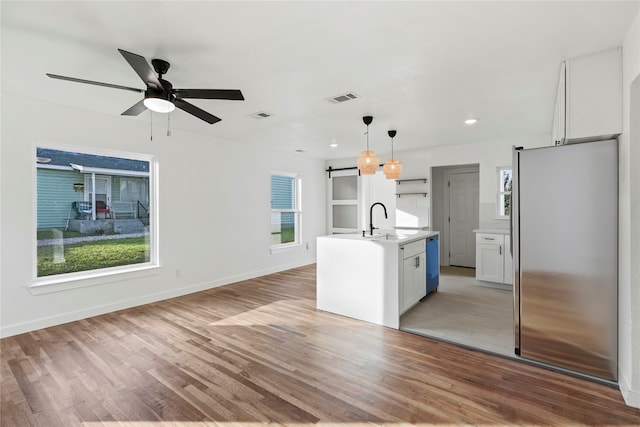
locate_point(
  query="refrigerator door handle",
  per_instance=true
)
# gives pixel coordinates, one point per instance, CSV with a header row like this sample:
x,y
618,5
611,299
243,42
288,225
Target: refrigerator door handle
x,y
515,243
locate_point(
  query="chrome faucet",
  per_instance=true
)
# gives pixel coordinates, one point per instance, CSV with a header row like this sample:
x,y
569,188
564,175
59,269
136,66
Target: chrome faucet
x,y
371,227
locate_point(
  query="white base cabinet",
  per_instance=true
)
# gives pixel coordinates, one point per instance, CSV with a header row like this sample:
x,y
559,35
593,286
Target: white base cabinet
x,y
413,273
493,258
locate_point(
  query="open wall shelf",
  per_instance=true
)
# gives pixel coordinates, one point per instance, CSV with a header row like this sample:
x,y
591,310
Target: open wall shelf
x,y
400,181
407,194
414,188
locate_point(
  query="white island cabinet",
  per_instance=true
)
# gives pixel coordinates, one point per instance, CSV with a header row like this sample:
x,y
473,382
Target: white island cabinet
x,y
372,278
413,273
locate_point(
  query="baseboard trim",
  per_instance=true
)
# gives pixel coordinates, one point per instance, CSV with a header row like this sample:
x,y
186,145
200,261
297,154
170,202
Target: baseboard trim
x,y
45,322
631,397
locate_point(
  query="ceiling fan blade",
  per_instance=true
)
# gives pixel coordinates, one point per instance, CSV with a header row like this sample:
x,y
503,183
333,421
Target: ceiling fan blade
x,y
91,82
231,94
142,68
136,109
198,112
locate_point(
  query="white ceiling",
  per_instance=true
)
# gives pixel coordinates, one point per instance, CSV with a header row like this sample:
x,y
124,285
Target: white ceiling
x,y
420,67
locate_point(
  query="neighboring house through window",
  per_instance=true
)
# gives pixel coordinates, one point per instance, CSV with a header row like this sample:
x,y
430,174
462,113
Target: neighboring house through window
x,y
505,179
285,209
94,212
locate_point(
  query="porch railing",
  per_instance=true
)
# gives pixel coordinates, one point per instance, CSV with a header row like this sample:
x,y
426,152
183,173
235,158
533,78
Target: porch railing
x,y
142,211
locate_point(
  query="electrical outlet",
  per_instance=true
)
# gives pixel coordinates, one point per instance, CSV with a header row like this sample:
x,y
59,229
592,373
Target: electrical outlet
x,y
178,272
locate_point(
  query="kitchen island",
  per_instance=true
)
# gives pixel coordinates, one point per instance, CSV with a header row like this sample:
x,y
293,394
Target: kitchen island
x,y
373,278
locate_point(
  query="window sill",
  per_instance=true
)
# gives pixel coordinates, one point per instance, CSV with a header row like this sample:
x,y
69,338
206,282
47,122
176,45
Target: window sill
x,y
70,281
285,248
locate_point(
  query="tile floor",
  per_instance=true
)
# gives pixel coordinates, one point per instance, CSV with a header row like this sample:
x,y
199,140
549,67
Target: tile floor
x,y
465,312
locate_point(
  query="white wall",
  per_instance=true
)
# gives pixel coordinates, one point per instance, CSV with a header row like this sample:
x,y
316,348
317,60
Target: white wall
x,y
629,228
489,155
214,213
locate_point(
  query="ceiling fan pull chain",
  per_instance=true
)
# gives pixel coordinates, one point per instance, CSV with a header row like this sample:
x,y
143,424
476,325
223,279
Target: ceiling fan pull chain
x,y
151,125
169,124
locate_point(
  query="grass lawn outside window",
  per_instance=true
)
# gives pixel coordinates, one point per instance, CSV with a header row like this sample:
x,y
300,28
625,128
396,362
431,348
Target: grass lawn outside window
x,y
93,255
285,235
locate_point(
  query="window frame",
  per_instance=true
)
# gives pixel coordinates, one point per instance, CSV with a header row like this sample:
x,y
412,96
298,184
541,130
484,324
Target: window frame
x,y
501,193
66,281
297,211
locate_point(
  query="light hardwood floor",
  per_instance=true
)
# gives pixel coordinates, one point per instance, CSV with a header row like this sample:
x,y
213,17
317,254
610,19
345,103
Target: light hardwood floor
x,y
258,352
464,312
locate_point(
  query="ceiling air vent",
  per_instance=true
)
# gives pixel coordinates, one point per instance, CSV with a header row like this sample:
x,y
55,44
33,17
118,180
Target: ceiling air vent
x,y
343,98
260,115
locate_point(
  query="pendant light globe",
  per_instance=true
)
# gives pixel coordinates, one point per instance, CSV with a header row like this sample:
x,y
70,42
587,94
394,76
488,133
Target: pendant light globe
x,y
392,168
368,161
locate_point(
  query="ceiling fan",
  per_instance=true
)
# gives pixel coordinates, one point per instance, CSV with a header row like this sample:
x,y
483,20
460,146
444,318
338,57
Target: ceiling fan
x,y
160,96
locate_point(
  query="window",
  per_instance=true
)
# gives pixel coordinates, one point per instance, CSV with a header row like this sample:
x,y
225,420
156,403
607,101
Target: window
x,y
89,215
504,191
285,209
134,189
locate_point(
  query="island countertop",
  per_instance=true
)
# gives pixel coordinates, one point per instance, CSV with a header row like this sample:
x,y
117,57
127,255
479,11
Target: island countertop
x,y
394,237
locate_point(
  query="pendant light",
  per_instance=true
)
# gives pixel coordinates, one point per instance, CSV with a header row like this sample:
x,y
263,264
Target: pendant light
x,y
393,167
368,162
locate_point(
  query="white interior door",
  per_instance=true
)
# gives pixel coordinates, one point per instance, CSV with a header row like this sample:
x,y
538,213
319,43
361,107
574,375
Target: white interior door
x,y
464,202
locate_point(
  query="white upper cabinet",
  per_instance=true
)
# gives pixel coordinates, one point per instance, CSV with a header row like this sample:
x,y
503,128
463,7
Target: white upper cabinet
x,y
589,98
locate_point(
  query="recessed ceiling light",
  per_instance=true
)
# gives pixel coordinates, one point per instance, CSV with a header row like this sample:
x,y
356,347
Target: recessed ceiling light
x,y
470,121
333,145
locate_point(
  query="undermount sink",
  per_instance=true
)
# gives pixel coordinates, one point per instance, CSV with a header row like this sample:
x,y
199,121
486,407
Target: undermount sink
x,y
385,236
373,236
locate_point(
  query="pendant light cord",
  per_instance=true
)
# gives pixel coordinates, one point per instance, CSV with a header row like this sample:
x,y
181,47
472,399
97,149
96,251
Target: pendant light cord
x,y
367,133
392,147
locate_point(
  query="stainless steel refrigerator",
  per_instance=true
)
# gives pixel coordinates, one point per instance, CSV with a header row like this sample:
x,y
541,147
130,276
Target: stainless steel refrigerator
x,y
565,252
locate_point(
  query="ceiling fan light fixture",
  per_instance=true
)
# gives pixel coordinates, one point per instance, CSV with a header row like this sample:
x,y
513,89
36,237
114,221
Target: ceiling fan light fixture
x,y
158,101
